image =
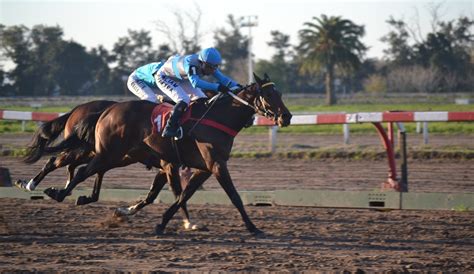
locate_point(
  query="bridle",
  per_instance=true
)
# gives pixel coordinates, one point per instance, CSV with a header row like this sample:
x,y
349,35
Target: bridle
x,y
259,100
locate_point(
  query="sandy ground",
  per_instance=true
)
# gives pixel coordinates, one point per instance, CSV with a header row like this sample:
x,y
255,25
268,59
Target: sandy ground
x,y
44,235
47,236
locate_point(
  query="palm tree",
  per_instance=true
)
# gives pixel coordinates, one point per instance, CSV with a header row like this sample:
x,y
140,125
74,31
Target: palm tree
x,y
330,43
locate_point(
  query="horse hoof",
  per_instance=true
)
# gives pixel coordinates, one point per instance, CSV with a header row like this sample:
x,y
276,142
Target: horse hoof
x,y
190,226
51,192
120,212
159,230
257,232
55,194
82,200
21,184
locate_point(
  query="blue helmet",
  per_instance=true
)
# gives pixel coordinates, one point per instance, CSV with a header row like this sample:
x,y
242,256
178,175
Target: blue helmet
x,y
211,56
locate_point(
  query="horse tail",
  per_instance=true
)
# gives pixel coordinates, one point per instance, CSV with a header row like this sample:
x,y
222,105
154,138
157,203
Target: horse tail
x,y
45,135
85,129
82,135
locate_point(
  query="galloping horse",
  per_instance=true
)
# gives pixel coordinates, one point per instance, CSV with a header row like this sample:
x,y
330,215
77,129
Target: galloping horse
x,y
77,148
74,151
124,133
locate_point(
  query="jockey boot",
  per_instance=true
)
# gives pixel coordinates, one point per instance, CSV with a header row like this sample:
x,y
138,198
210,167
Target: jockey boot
x,y
172,128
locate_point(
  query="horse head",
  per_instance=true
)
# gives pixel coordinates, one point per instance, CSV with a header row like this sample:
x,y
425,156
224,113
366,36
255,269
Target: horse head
x,y
269,103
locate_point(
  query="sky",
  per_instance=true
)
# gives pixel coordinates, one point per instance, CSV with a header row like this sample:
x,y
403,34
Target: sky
x,y
102,22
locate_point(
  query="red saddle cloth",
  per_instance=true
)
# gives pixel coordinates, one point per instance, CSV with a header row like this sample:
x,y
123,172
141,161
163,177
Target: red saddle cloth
x,y
160,115
162,112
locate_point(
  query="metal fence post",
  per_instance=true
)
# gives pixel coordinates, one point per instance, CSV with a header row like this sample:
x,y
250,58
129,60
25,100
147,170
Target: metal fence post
x,y
425,133
273,138
346,130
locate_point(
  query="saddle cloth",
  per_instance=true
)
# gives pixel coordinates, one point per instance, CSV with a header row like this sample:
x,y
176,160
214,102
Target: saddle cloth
x,y
162,112
160,115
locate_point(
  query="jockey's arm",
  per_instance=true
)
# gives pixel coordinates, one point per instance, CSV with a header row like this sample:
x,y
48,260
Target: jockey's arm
x,y
224,80
197,82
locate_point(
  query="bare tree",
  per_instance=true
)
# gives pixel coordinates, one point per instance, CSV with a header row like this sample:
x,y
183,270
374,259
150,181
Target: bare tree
x,y
186,36
435,9
413,79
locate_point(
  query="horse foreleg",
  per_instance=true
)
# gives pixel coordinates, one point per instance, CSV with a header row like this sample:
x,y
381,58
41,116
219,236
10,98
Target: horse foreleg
x,y
158,183
196,180
223,177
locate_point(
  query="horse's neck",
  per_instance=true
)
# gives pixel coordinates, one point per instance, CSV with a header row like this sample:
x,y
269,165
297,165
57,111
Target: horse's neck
x,y
232,113
239,113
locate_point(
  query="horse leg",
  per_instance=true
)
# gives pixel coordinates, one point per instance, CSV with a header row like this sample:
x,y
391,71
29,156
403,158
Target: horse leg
x,y
33,183
196,180
223,177
158,183
84,200
65,158
98,164
174,179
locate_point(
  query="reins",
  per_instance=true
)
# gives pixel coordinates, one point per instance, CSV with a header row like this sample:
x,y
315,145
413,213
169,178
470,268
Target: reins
x,y
242,101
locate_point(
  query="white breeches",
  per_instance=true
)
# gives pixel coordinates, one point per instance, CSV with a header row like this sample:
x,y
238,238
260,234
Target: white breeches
x,y
178,90
141,89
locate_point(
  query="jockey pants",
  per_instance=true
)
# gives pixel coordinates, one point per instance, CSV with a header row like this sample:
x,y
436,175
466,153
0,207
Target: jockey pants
x,y
178,90
141,89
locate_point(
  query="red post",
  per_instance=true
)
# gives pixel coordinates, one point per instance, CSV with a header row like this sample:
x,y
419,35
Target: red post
x,y
391,182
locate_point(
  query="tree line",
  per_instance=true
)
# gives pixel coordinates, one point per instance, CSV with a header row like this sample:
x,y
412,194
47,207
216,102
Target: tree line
x,y
329,58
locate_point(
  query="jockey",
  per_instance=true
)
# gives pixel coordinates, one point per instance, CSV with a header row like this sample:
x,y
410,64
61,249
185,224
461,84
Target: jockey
x,y
180,78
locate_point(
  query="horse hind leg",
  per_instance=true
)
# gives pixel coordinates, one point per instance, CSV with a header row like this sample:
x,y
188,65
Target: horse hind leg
x,y
158,183
33,183
83,200
98,164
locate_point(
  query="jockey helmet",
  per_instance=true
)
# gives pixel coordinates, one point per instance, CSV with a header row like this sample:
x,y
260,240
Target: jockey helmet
x,y
210,56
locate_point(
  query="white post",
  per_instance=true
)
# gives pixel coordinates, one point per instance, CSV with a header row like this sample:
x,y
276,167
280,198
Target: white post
x,y
418,127
273,138
345,129
252,22
23,126
425,133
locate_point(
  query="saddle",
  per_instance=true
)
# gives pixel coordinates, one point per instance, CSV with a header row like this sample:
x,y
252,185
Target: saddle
x,y
162,112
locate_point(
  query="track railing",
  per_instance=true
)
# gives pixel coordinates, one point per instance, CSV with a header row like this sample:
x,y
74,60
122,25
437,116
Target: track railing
x,y
376,118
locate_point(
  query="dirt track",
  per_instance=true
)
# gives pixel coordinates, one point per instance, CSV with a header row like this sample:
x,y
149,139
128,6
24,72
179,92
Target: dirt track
x,y
439,175
46,236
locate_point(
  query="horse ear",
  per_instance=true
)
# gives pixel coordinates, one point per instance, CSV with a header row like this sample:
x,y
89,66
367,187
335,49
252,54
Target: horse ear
x,y
257,79
266,77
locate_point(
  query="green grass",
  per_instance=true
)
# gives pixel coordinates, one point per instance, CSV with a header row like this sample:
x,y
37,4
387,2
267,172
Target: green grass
x,y
15,126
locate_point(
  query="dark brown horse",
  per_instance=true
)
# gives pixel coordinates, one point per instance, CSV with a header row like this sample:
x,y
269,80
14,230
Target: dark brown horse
x,y
77,148
74,150
124,133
